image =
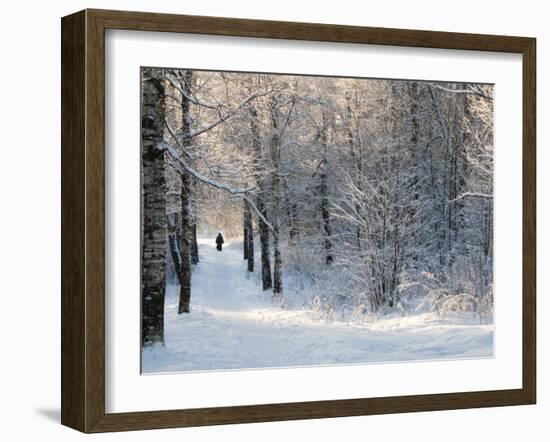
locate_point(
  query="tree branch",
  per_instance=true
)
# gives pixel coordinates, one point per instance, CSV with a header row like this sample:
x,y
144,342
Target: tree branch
x,y
470,90
243,193
471,195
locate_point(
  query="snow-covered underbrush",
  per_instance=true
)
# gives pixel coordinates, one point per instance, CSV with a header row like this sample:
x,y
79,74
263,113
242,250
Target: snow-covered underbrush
x,y
332,296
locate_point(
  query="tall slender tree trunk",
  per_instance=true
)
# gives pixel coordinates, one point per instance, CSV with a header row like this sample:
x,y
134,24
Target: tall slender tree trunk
x,y
292,221
414,97
355,159
325,214
462,170
194,244
291,209
174,243
444,242
276,203
186,240
154,223
249,237
453,208
267,282
186,216
245,232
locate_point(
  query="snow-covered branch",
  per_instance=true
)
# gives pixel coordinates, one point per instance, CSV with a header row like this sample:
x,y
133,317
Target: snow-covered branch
x,y
218,107
191,98
475,90
243,193
471,195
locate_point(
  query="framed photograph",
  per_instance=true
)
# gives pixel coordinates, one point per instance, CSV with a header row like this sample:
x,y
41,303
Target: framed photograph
x,y
268,221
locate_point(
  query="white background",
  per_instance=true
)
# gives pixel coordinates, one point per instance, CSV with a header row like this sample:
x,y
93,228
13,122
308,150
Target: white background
x,y
128,391
30,186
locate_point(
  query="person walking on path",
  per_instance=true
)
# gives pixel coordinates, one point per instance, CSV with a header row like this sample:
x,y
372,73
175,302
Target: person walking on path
x,y
219,242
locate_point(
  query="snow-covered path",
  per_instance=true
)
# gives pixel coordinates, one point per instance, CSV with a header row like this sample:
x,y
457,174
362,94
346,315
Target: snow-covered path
x,y
234,324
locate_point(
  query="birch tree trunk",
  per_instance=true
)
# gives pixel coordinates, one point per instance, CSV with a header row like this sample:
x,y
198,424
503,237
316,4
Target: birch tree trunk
x,y
154,224
186,218
276,203
267,282
185,278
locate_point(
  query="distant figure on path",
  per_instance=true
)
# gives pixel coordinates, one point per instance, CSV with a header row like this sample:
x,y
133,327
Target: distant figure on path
x,y
219,242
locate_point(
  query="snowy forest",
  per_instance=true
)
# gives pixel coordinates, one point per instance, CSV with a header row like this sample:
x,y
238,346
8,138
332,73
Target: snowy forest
x,y
357,218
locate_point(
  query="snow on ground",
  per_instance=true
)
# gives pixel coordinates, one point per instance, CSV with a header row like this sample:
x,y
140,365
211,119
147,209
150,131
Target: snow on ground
x,y
233,324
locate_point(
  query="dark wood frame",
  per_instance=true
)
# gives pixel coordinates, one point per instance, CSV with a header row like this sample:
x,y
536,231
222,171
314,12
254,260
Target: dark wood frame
x,y
83,218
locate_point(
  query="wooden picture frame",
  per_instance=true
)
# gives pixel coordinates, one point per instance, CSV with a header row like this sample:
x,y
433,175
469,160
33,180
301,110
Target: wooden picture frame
x,y
83,220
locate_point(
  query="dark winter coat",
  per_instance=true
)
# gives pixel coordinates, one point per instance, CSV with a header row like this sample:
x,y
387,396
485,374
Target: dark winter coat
x,y
219,241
